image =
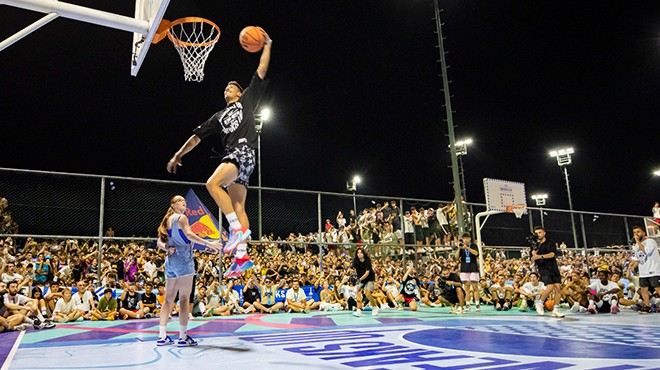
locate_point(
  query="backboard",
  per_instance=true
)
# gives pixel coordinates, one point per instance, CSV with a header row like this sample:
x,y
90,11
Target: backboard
x,y
502,193
151,11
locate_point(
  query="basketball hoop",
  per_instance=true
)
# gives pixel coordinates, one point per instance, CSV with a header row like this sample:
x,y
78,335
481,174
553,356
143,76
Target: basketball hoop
x,y
516,209
193,38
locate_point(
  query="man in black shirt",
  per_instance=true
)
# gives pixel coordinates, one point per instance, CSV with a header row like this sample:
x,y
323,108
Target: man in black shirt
x,y
149,300
468,253
544,254
228,184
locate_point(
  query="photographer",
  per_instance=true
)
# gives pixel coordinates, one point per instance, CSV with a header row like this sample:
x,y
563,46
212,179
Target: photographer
x,y
544,256
468,253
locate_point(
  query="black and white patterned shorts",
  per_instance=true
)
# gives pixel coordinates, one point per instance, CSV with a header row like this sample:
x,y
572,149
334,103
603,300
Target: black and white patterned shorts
x,y
243,157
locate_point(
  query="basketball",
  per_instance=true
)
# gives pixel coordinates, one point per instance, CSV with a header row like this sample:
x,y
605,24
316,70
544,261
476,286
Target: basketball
x,y
251,39
549,305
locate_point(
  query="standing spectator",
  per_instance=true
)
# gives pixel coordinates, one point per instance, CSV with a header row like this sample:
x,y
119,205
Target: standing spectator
x,y
544,256
468,255
366,277
646,254
656,212
408,230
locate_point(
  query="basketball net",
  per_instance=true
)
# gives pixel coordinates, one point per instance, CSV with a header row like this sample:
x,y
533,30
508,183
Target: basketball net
x,y
193,38
516,209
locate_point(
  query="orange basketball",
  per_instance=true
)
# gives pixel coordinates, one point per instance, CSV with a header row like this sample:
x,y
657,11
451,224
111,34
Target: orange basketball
x,y
549,305
251,39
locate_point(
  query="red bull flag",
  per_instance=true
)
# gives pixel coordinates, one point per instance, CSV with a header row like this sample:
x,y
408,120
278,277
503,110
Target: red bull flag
x,y
202,222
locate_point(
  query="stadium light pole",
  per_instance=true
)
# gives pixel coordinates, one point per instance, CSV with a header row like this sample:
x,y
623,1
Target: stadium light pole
x,y
260,118
563,157
540,202
461,150
351,185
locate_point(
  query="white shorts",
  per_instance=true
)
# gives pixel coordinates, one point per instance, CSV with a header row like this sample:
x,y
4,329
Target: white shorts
x,y
470,276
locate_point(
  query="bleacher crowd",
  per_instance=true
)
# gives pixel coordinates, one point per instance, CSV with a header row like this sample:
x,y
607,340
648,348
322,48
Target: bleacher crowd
x,y
47,281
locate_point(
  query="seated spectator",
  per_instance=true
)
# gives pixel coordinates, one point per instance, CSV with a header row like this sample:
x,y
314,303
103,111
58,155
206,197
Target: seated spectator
x,y
530,292
17,303
149,301
65,308
107,307
410,291
11,274
329,299
296,299
392,289
130,302
38,296
603,294
501,293
213,301
54,293
267,303
452,294
251,294
84,300
575,290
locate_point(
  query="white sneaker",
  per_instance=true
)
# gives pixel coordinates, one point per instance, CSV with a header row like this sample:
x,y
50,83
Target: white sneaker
x,y
576,307
477,308
523,306
249,309
459,310
21,327
452,310
582,309
357,313
556,313
539,308
374,311
384,306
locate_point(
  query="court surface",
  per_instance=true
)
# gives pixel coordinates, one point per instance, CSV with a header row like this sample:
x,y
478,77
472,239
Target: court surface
x,y
428,339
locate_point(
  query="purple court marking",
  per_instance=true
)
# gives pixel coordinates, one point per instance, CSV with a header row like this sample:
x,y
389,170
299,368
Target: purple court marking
x,y
314,321
393,320
217,327
6,344
98,334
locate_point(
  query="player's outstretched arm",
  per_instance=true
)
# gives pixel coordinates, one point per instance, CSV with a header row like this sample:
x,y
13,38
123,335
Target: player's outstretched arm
x,y
264,61
175,161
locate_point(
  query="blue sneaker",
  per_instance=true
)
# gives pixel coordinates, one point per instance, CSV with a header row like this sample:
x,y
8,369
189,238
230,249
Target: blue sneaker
x,y
164,341
235,238
239,266
188,342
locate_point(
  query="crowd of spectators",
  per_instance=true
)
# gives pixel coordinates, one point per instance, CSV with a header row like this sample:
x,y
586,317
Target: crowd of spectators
x,y
64,281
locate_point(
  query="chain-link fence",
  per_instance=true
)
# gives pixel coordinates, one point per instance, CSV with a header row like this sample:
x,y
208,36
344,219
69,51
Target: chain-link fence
x,y
59,204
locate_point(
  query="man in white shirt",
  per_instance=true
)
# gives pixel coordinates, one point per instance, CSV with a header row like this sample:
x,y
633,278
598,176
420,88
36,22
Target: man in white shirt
x,y
296,299
83,300
646,254
11,274
603,294
530,292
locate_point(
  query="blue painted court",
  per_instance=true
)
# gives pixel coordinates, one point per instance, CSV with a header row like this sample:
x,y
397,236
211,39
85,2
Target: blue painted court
x,y
428,339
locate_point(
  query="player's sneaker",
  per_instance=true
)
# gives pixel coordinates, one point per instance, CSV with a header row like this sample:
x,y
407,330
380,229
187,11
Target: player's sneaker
x,y
164,341
239,265
506,306
583,310
591,309
188,342
576,307
467,307
539,308
498,306
374,311
21,327
357,313
477,308
614,309
459,310
523,306
236,237
452,310
556,313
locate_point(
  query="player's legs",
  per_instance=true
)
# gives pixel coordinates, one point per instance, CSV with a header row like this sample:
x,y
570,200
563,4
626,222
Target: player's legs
x,y
226,173
237,195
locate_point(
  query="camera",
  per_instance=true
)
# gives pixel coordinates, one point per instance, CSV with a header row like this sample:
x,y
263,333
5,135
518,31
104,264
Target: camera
x,y
533,241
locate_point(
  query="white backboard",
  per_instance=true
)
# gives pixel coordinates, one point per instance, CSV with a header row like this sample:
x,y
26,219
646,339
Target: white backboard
x,y
503,193
151,11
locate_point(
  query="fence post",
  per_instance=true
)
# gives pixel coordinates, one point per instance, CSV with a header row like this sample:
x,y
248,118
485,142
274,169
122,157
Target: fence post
x,y
320,245
101,213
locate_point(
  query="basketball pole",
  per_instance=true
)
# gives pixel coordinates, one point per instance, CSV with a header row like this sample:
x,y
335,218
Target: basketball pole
x,y
450,124
478,226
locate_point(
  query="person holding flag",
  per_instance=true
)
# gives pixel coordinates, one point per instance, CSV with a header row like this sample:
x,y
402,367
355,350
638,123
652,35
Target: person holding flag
x,y
176,238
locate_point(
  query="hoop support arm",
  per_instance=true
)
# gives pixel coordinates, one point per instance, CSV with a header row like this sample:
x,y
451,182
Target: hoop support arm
x,y
83,14
27,30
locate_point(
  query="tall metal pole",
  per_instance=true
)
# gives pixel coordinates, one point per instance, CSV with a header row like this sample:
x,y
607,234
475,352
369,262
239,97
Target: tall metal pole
x,y
259,174
542,224
101,214
462,173
354,205
570,207
450,123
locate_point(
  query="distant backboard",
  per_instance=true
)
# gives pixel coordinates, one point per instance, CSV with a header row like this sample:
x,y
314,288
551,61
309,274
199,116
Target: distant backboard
x,y
151,11
502,193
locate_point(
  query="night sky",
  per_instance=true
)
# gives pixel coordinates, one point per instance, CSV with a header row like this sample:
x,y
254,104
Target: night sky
x,y
354,88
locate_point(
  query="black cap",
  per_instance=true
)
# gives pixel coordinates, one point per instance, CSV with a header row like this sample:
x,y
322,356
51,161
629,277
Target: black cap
x,y
236,84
